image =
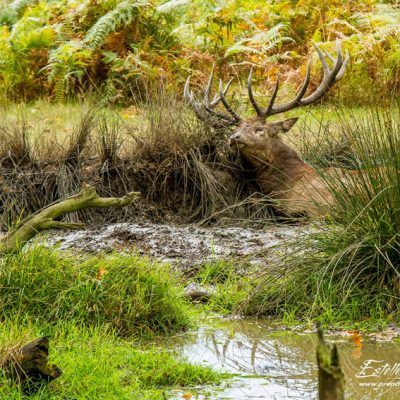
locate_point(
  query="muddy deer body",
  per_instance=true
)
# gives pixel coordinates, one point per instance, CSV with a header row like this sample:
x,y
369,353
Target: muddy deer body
x,y
294,186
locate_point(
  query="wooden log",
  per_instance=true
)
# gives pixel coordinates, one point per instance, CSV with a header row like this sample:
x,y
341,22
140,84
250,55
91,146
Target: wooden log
x,y
45,218
330,375
28,366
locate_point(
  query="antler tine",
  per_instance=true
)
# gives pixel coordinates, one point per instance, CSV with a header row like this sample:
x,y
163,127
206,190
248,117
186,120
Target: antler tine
x,y
251,95
217,98
339,61
269,110
304,87
329,76
296,102
202,108
342,70
188,96
264,113
207,91
226,104
186,91
329,55
344,64
322,58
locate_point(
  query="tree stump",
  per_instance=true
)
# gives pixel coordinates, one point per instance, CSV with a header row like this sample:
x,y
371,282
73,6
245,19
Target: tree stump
x,y
330,375
28,366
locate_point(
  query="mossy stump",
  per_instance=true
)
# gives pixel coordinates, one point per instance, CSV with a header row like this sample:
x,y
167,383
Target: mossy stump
x,y
28,366
330,375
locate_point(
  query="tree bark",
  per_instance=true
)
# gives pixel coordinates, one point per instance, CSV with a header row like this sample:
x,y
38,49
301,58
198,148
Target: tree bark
x,y
44,219
330,375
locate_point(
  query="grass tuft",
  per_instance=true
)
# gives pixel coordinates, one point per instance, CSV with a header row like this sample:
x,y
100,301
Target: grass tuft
x,y
15,149
130,294
231,281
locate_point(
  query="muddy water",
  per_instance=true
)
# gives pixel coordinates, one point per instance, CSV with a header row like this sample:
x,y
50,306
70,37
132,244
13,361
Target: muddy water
x,y
186,245
281,365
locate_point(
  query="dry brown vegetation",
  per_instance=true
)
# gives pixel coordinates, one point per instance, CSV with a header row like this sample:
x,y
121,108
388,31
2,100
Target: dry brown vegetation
x,y
184,170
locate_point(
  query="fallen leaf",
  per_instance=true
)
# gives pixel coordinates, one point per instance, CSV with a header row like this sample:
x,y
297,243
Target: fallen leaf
x,y
101,273
357,340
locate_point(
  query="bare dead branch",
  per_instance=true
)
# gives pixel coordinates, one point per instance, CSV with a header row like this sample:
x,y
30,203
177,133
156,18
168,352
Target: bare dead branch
x,y
45,218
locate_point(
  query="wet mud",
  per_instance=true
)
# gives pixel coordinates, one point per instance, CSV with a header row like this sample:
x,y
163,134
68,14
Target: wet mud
x,y
185,245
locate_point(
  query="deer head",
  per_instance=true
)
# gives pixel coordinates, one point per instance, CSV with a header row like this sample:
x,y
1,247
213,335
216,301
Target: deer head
x,y
257,140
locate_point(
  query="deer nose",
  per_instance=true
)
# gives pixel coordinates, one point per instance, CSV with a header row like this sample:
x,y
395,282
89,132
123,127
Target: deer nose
x,y
234,138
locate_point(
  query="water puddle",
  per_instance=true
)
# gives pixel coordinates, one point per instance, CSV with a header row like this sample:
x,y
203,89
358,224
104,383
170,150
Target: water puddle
x,y
281,365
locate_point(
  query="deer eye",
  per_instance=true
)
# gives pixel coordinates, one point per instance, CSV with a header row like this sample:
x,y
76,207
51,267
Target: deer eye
x,y
259,130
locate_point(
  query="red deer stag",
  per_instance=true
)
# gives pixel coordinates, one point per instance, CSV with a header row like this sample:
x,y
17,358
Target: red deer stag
x,y
292,184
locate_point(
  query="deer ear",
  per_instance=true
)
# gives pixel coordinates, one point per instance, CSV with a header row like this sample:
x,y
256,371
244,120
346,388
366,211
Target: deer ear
x,y
275,128
287,124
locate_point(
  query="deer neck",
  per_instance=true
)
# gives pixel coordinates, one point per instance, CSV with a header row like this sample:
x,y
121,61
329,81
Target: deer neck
x,y
284,167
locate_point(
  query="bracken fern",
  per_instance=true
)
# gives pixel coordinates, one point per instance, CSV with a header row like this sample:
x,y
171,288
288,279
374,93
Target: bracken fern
x,y
123,14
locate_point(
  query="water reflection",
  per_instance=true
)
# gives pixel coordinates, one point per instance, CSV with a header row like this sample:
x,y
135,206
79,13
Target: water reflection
x,y
281,365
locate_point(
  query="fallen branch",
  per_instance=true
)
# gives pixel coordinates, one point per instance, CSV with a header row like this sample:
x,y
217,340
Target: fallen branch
x,y
45,218
330,375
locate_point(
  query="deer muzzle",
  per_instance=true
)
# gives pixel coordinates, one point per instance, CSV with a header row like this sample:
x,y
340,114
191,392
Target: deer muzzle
x,y
235,140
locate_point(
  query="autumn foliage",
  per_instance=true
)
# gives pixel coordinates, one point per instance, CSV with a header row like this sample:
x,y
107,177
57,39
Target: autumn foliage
x,y
61,49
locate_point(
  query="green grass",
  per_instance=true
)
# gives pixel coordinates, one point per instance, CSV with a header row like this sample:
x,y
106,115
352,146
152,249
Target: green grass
x,y
98,364
232,282
98,312
51,127
53,124
347,271
130,294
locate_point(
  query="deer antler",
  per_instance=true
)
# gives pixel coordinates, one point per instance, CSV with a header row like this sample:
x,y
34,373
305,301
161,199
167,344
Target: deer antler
x,y
205,109
331,76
